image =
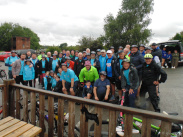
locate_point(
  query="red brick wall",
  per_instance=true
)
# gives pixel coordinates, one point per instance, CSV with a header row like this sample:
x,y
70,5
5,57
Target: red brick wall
x,y
22,43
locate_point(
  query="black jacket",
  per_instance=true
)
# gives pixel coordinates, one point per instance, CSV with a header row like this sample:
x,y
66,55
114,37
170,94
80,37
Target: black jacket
x,y
58,87
157,52
152,73
60,62
78,66
50,66
97,64
40,69
137,60
112,64
117,69
133,78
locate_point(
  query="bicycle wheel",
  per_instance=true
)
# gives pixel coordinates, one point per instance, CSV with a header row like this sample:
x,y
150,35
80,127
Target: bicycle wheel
x,y
3,75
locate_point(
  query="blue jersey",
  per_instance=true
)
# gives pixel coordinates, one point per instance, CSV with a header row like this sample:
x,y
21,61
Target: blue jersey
x,y
28,73
102,61
54,64
10,60
54,82
120,63
109,67
164,54
126,74
169,56
67,76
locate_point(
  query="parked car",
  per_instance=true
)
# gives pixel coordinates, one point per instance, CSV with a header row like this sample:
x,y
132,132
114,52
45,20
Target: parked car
x,y
171,45
19,52
4,55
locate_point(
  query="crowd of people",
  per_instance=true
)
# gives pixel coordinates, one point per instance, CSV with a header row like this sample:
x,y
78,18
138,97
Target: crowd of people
x,y
98,74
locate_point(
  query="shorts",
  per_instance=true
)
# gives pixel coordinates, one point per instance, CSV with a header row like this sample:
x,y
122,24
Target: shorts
x,y
68,86
111,79
118,84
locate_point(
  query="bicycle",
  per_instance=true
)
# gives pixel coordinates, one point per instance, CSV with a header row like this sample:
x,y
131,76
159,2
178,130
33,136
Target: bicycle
x,y
3,75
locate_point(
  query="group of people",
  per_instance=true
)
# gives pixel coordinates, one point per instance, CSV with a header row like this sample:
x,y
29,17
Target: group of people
x,y
134,70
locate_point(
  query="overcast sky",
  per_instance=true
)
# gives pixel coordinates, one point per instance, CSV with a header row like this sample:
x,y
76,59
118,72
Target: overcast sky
x,y
59,21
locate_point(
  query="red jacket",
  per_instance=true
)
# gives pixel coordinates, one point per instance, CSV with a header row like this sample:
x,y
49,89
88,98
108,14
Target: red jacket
x,y
71,65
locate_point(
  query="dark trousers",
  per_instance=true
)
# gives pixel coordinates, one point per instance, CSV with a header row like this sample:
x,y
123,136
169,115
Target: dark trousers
x,y
28,82
151,89
19,79
10,74
130,98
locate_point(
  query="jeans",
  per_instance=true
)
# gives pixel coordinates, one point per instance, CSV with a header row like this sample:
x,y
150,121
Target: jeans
x,y
130,98
10,74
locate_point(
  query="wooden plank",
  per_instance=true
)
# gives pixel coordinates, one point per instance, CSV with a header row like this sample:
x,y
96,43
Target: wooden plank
x,y
32,132
17,103
12,101
5,120
33,108
128,125
60,117
20,130
50,115
12,128
25,106
5,97
83,123
98,128
41,113
112,123
71,124
146,127
166,128
8,124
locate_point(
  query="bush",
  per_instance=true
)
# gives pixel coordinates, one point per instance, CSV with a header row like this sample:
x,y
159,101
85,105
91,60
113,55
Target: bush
x,y
52,49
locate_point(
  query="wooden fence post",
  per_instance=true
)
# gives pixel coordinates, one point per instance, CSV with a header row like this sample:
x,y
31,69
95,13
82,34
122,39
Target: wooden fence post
x,y
6,97
112,123
83,123
98,128
50,115
146,127
71,118
60,117
128,125
41,113
166,128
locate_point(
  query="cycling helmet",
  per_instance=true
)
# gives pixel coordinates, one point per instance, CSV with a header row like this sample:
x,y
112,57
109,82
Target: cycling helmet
x,y
148,56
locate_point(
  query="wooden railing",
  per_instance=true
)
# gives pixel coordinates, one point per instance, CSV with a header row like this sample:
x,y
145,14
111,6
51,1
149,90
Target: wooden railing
x,y
10,89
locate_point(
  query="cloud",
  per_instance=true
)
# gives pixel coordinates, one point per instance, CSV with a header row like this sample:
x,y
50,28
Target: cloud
x,y
7,2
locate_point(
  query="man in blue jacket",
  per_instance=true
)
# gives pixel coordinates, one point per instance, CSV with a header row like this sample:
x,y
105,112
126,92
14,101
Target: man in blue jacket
x,y
102,60
9,62
142,49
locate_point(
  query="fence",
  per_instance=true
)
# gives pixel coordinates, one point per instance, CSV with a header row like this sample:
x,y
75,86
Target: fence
x,y
11,94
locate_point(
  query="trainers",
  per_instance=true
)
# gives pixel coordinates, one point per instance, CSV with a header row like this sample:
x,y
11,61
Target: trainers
x,y
162,67
172,67
166,66
112,98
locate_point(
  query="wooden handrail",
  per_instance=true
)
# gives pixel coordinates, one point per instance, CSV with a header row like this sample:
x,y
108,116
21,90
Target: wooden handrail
x,y
2,85
133,111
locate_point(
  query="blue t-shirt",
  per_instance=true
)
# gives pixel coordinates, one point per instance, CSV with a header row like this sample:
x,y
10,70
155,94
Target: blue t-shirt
x,y
92,61
60,59
120,63
109,67
101,85
103,64
126,74
76,57
59,75
54,82
34,61
67,76
54,64
11,60
43,65
22,67
169,56
164,54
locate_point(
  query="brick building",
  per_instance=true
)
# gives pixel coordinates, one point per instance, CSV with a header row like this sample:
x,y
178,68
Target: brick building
x,y
20,43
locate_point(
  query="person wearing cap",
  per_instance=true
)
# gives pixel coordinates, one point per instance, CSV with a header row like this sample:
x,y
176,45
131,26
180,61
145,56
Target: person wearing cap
x,y
17,69
47,80
40,56
42,66
117,69
152,75
75,57
129,82
79,64
88,56
60,59
9,62
101,88
69,80
98,53
58,87
120,48
102,60
49,57
84,55
87,90
164,57
35,61
53,65
156,51
113,51
94,61
88,73
28,73
110,61
148,50
69,63
142,49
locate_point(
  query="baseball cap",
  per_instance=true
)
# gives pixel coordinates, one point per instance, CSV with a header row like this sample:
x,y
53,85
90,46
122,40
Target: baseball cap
x,y
103,73
87,54
111,47
153,44
87,63
103,50
13,51
98,50
126,60
142,45
121,51
51,71
93,52
109,51
54,54
67,58
148,48
134,46
43,56
63,64
120,47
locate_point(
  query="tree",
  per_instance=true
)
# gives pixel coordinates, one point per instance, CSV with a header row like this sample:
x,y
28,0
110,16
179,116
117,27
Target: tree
x,y
178,36
63,45
9,30
52,49
130,24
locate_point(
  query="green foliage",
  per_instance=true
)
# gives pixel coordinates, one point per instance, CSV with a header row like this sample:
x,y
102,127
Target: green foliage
x,y
178,36
63,46
130,25
52,49
9,30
